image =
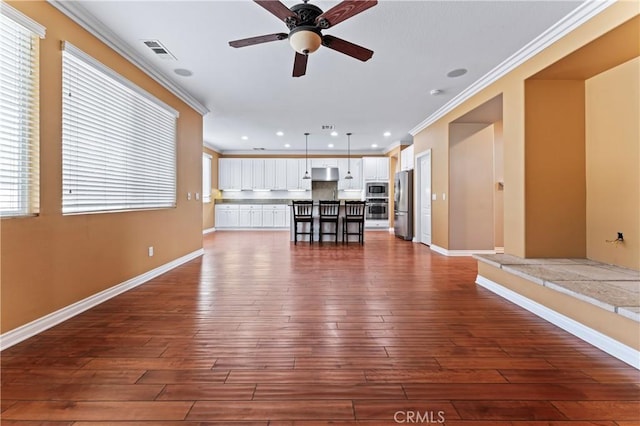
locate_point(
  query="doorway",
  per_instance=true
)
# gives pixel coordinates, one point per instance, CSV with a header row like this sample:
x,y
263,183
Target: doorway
x,y
423,206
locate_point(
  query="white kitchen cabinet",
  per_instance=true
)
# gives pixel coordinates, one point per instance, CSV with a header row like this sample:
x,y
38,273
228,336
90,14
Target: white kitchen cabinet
x,y
293,176
256,217
406,158
229,173
376,168
275,174
356,173
244,217
280,218
274,215
227,215
295,172
247,174
250,216
258,177
323,162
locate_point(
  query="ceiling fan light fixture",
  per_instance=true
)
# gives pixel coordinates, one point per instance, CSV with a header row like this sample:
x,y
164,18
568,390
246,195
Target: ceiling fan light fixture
x,y
305,39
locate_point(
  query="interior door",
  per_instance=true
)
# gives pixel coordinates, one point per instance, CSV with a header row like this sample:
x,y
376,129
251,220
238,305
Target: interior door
x,y
425,198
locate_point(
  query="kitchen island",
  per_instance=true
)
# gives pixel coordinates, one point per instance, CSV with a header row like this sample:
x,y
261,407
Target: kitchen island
x,y
328,227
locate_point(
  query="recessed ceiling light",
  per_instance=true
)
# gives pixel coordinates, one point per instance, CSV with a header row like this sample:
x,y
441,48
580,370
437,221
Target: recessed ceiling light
x,y
334,133
330,145
244,138
286,145
387,134
375,145
280,133
183,72
457,72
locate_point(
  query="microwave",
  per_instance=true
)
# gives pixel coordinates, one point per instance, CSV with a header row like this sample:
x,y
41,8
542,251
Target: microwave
x,y
376,190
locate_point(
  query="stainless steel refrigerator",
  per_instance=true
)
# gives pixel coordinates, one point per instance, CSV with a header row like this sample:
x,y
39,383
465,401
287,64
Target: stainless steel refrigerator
x,y
403,206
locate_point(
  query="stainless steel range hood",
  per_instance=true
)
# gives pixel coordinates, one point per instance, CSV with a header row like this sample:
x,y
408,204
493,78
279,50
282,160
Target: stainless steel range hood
x,y
324,174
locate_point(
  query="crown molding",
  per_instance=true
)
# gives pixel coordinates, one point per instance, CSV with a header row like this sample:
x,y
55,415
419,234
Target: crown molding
x,y
392,147
573,20
212,147
74,11
299,153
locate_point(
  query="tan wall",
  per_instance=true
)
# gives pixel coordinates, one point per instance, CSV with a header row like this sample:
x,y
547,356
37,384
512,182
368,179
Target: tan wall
x,y
511,87
208,209
555,189
613,164
471,218
498,192
52,261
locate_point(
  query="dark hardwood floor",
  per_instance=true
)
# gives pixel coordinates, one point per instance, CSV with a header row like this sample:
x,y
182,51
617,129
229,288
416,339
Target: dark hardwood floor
x,y
259,331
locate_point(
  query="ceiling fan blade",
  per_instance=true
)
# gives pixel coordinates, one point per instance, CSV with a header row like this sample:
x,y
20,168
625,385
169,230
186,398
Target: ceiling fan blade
x,y
278,9
257,40
300,65
342,11
347,48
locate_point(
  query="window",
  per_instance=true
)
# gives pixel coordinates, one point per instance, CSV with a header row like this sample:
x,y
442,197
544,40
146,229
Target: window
x,y
206,178
19,121
118,141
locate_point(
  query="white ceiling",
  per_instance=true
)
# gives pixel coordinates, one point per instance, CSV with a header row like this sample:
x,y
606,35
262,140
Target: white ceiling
x,y
250,91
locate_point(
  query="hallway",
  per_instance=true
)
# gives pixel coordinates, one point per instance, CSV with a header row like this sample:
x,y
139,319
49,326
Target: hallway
x,y
263,332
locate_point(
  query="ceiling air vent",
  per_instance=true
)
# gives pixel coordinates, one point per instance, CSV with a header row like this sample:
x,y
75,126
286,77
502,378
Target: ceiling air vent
x,y
159,50
258,149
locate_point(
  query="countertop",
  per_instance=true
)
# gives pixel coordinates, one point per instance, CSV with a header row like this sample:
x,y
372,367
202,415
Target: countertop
x,y
267,201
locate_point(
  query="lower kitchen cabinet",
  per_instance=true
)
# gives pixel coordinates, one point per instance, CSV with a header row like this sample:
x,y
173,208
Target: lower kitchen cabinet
x,y
227,215
274,216
252,216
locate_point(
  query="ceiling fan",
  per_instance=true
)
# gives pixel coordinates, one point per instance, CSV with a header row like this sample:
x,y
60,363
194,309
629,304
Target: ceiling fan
x,y
305,22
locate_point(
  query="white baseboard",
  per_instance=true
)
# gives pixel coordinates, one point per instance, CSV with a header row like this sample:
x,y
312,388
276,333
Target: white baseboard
x,y
452,253
589,335
208,231
39,325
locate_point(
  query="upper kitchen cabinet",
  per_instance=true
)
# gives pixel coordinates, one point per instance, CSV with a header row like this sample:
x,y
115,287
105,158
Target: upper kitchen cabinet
x,y
229,173
247,173
376,168
356,173
275,174
295,170
406,158
324,162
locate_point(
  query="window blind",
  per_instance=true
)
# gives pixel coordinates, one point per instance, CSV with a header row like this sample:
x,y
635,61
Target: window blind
x,y
118,141
206,178
19,120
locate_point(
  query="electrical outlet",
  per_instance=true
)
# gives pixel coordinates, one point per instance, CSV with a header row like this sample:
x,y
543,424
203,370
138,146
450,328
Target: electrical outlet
x,y
188,196
197,196
151,251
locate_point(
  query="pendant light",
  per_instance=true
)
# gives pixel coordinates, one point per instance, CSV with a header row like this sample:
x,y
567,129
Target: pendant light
x,y
348,176
306,157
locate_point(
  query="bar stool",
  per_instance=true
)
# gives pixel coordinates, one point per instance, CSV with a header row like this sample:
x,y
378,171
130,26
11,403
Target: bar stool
x,y
302,213
353,213
329,211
